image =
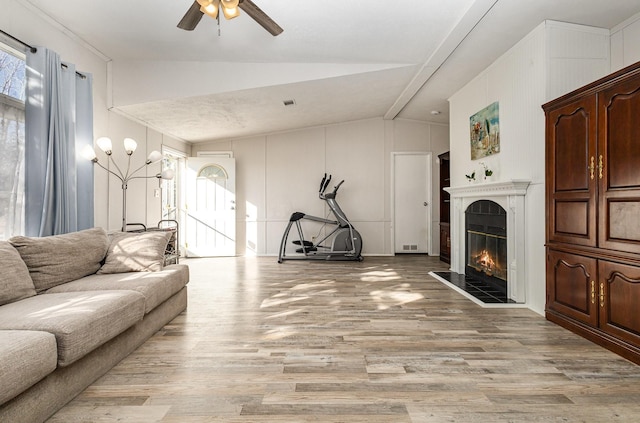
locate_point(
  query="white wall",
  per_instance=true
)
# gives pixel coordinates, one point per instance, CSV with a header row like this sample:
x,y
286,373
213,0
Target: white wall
x,y
280,173
625,48
545,64
27,24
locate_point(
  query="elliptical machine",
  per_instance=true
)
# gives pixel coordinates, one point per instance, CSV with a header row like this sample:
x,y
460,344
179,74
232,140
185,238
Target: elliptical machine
x,y
345,243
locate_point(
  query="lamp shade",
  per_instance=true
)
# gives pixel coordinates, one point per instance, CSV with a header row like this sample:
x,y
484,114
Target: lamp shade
x,y
211,10
88,153
167,174
154,156
104,144
230,12
230,4
130,145
210,7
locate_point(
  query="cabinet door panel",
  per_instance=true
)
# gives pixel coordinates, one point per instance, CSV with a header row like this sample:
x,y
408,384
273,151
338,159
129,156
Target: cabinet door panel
x,y
619,294
571,189
572,218
619,166
624,219
571,286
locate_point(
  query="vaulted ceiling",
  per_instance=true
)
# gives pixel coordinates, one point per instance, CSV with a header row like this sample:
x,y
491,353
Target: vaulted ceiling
x,y
339,60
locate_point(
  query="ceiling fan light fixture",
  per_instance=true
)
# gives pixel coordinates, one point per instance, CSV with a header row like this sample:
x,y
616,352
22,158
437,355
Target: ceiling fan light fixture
x,y
230,9
210,7
230,12
210,10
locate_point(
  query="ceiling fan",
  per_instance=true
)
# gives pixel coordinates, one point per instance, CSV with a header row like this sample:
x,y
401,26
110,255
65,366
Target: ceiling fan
x,y
230,10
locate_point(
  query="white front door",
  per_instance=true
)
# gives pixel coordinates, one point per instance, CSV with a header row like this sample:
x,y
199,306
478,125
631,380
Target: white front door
x,y
411,202
210,224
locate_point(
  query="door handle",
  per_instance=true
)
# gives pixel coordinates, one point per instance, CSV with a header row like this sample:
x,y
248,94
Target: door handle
x,y
600,166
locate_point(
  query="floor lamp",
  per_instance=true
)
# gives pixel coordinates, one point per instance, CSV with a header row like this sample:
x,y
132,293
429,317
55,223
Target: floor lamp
x,y
130,146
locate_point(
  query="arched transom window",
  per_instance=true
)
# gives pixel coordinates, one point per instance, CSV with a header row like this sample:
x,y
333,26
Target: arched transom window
x,y
213,172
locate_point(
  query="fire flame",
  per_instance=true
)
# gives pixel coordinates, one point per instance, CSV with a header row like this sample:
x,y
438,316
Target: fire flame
x,y
486,262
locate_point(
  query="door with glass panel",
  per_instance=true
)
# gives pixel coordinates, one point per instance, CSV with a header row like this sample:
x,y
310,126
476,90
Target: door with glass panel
x,y
210,221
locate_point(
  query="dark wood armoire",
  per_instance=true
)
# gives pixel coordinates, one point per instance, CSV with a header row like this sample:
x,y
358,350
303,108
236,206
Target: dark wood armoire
x,y
593,211
445,209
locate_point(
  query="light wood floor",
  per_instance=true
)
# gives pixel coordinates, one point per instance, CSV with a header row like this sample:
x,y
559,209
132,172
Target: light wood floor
x,y
377,341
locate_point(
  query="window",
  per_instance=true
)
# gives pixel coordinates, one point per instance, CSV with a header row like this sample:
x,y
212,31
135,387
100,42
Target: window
x,y
12,96
213,172
173,160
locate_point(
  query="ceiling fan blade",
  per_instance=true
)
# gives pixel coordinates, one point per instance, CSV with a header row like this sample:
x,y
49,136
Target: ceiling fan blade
x,y
259,16
191,19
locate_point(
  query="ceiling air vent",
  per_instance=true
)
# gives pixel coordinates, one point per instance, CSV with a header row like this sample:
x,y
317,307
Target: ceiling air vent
x,y
289,103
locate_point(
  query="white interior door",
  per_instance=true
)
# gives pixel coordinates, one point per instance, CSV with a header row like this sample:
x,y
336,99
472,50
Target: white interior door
x,y
210,224
412,202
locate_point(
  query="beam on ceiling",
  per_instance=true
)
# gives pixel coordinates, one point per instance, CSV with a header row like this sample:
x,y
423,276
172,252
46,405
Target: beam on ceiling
x,y
476,12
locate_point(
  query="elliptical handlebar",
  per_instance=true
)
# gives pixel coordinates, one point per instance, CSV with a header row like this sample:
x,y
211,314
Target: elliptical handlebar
x,y
323,187
335,189
324,184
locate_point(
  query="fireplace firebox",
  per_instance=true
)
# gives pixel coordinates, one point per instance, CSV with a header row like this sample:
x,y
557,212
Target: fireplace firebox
x,y
486,243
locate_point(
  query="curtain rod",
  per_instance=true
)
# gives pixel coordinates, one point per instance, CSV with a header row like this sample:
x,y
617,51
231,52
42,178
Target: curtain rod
x,y
64,65
31,48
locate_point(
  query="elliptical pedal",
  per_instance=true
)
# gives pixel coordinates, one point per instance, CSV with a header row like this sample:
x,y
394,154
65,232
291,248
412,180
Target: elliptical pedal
x,y
305,243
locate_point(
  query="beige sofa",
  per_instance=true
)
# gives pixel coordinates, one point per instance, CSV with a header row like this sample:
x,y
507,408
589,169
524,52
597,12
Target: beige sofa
x,y
72,306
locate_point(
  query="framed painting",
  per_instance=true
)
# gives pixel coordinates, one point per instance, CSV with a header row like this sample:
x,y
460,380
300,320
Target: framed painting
x,y
485,132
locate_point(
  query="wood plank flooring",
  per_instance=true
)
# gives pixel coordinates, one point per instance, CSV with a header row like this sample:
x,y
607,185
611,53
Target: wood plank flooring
x,y
377,341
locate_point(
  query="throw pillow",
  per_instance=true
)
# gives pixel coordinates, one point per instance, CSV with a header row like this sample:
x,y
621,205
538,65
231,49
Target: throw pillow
x,y
136,252
54,260
15,282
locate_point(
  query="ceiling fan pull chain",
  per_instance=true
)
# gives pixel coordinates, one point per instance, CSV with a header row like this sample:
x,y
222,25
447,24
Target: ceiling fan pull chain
x,y
218,19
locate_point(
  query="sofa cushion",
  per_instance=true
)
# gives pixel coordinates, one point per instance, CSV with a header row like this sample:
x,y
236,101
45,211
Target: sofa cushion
x,y
57,259
80,321
136,252
25,358
15,282
156,287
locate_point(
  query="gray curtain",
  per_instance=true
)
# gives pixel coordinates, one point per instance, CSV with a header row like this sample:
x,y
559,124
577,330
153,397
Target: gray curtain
x,y
58,123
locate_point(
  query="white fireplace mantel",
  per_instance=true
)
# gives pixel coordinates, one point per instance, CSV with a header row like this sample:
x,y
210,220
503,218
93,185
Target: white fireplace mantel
x,y
509,188
511,196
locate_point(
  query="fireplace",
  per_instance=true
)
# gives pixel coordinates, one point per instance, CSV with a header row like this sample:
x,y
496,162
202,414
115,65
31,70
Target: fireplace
x,y
486,244
510,234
